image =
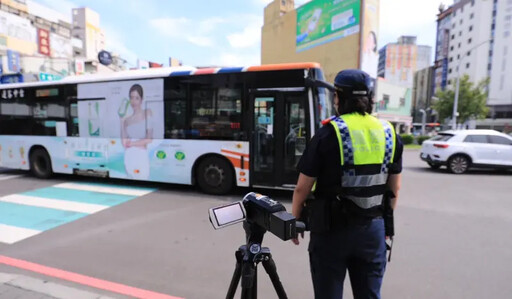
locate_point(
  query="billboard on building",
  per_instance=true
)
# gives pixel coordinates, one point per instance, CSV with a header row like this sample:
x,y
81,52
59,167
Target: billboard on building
x,y
369,42
322,21
43,41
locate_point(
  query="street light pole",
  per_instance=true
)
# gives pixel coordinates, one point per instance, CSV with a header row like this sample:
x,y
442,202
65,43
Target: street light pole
x,y
457,86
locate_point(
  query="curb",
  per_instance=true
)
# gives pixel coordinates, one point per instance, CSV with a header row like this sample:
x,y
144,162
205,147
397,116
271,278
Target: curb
x,y
43,287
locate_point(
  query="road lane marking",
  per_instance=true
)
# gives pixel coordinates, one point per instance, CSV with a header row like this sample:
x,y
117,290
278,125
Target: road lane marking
x,y
84,280
89,197
35,218
12,234
8,177
105,189
57,204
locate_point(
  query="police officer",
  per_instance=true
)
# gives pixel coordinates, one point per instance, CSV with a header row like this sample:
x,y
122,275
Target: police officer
x,y
349,163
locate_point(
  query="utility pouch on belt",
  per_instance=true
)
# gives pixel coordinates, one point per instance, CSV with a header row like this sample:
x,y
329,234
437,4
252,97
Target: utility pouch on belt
x,y
316,214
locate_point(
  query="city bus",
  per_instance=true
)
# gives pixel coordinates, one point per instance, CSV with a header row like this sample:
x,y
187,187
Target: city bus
x,y
215,128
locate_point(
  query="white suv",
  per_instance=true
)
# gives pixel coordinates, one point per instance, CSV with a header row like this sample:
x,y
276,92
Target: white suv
x,y
460,150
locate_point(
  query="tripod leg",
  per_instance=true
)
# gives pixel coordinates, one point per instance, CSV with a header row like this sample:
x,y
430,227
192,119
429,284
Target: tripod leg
x,y
236,276
249,280
271,269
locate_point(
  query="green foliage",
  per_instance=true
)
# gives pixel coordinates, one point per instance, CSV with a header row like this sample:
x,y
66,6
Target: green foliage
x,y
407,138
472,101
420,139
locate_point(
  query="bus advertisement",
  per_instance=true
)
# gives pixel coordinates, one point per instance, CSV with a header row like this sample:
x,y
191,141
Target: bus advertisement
x,y
216,128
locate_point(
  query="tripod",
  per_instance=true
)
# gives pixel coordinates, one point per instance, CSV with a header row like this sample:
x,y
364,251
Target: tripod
x,y
247,258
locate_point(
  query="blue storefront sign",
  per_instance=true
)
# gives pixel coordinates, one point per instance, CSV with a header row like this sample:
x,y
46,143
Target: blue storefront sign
x,y
13,61
8,79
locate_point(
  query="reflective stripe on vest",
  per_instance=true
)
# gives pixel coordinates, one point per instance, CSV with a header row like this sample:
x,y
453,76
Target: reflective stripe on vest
x,y
378,150
366,202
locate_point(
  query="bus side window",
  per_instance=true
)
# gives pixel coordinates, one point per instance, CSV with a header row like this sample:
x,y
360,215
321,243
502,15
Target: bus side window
x,y
216,113
175,109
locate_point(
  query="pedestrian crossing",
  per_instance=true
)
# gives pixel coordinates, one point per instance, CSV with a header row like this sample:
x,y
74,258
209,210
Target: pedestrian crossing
x,y
27,214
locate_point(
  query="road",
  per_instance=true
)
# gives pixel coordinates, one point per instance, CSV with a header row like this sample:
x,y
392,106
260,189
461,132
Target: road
x,y
453,236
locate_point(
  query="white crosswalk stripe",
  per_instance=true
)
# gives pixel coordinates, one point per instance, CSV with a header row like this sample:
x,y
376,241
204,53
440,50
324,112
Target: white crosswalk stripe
x,y
12,234
65,205
104,189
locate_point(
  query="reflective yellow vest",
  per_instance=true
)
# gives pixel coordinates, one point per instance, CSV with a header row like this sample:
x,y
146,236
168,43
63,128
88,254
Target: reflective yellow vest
x,y
364,140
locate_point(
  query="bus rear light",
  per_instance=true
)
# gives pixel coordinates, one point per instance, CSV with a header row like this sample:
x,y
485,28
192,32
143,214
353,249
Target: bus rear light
x,y
439,145
242,173
239,145
243,179
113,142
136,171
24,162
65,165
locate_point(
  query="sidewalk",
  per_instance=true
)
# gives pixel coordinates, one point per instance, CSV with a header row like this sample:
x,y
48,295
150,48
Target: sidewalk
x,y
25,287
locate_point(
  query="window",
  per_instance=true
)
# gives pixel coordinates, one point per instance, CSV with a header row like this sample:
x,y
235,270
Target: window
x,y
467,65
453,36
442,137
468,53
458,56
216,109
449,71
451,59
451,48
500,140
476,139
460,22
402,102
449,82
470,28
469,41
460,33
175,109
453,25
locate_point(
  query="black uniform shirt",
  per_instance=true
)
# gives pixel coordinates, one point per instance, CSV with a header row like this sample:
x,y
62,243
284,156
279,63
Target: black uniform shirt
x,y
321,160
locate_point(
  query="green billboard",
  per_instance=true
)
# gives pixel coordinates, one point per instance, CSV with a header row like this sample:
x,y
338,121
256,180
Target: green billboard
x,y
321,21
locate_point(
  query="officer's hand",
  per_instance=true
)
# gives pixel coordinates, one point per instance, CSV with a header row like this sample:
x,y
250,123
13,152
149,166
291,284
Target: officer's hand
x,y
296,240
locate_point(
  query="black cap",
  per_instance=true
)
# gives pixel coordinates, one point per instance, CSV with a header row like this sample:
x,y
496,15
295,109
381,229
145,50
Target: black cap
x,y
354,83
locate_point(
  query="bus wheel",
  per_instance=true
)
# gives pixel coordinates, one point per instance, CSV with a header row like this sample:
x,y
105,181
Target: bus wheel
x,y
40,163
215,176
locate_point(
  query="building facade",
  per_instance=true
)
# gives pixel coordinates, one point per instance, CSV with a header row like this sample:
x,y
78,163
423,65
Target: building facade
x,y
393,103
337,34
399,61
442,48
41,44
470,40
422,94
500,90
479,46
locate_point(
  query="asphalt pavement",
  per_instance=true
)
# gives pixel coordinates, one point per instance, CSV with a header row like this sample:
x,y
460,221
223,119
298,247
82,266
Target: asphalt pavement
x,y
453,237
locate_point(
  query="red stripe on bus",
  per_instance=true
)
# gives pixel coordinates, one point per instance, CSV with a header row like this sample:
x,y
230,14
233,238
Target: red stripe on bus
x,y
84,280
237,162
234,153
283,66
204,71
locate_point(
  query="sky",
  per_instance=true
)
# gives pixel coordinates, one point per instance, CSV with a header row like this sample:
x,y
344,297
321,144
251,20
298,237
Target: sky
x,y
221,32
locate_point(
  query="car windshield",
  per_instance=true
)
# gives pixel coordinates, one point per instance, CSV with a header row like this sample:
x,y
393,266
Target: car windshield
x,y
442,137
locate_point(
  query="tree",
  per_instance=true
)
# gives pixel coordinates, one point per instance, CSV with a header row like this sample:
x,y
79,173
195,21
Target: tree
x,y
472,101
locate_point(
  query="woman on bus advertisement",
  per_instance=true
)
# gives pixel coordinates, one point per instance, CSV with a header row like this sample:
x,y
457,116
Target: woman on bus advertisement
x,y
136,134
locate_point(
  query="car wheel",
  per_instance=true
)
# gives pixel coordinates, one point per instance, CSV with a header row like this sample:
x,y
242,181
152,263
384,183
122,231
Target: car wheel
x,y
458,164
215,176
434,166
41,164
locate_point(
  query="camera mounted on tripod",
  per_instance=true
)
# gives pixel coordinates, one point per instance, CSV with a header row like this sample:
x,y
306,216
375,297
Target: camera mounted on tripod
x,y
259,214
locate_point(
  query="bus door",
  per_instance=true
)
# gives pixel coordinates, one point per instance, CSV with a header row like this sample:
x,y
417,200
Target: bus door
x,y
279,135
87,148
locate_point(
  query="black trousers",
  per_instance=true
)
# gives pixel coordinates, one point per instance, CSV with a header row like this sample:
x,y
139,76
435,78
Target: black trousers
x,y
358,248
